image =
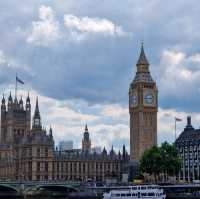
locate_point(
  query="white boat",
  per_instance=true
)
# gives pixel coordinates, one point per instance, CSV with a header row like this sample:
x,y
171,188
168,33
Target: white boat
x,y
135,192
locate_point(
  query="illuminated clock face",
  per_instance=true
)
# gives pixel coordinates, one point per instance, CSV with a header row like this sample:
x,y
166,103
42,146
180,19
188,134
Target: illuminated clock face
x,y
133,100
149,98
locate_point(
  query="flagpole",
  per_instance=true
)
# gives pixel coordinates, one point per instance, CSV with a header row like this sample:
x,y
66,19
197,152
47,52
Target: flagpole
x,y
175,129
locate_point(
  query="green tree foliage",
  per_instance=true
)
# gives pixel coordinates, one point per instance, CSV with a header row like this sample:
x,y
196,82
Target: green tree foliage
x,y
163,159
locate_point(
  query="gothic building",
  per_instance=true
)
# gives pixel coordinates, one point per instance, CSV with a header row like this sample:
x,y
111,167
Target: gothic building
x,y
143,107
15,119
86,142
27,151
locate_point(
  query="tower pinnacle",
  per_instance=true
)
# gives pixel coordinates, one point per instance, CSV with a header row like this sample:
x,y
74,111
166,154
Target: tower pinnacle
x,y
86,128
28,98
86,142
142,58
143,103
36,117
3,99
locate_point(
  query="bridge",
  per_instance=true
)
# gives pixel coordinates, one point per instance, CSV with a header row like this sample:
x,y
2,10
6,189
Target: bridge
x,y
19,188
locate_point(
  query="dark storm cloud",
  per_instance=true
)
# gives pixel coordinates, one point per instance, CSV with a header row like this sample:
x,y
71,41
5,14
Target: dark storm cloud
x,y
100,67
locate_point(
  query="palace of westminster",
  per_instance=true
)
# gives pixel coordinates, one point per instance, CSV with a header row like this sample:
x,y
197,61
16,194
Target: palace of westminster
x,y
27,150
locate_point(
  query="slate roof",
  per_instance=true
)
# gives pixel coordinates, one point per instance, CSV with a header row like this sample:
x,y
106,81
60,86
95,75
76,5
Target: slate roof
x,y
142,59
189,136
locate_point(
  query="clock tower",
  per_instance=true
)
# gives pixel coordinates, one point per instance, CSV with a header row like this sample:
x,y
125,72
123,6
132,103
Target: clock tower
x,y
143,107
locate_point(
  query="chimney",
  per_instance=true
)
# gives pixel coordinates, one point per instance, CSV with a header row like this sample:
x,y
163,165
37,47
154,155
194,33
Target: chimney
x,y
189,124
189,121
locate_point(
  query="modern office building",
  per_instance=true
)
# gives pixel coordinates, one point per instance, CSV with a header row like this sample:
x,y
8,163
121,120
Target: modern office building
x,y
188,146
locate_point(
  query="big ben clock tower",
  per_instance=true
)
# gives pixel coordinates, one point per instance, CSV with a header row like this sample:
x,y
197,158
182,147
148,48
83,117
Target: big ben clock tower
x,y
143,107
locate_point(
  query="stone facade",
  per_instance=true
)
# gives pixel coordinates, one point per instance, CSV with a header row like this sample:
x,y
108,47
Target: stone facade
x,y
188,147
143,107
27,153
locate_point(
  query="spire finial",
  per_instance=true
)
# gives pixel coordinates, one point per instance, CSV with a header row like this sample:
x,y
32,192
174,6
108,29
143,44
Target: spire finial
x,y
50,131
28,98
86,128
142,58
37,112
36,118
3,99
10,97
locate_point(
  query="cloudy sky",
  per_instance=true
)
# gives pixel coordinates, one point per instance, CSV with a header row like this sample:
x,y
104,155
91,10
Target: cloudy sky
x,y
79,57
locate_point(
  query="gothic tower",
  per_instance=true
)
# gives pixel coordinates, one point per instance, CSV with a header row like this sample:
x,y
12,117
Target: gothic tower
x,y
37,124
15,120
143,107
28,114
3,121
86,142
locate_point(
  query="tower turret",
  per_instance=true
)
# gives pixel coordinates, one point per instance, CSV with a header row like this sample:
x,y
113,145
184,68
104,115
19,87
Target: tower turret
x,y
86,142
28,113
3,120
143,106
10,102
3,104
16,104
50,132
36,118
112,152
142,63
21,106
28,103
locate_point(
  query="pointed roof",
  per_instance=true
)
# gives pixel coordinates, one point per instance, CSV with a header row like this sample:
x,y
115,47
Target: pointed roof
x,y
86,128
50,132
112,152
86,135
10,97
21,100
142,58
37,112
28,98
3,99
16,101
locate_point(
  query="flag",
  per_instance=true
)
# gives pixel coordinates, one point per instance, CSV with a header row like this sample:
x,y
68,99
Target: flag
x,y
19,80
178,119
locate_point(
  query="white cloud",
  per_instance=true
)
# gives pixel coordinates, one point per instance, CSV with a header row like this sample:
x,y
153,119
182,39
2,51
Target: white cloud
x,y
92,25
68,122
166,123
178,75
9,64
46,30
115,111
195,58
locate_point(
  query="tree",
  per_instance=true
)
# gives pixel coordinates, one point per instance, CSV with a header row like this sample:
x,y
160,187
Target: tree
x,y
150,162
170,160
163,159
